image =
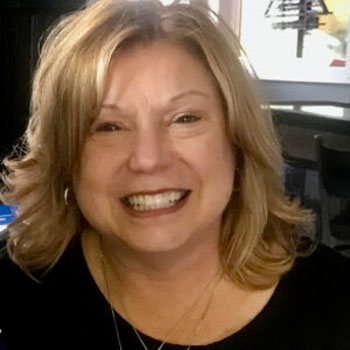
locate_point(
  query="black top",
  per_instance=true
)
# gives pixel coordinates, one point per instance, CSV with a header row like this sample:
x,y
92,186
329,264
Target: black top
x,y
310,309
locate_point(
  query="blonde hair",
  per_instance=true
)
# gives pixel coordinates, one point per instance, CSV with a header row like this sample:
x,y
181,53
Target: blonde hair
x,y
261,225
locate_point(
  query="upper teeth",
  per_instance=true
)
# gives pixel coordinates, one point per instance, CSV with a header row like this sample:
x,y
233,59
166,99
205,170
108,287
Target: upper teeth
x,y
156,201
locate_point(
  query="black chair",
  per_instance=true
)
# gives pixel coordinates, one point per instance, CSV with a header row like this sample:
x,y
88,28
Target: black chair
x,y
334,184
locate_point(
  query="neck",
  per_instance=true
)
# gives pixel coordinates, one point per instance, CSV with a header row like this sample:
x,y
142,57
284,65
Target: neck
x,y
164,294
190,266
180,296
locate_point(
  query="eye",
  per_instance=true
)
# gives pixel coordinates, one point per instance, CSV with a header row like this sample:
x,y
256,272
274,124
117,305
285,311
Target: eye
x,y
108,126
187,118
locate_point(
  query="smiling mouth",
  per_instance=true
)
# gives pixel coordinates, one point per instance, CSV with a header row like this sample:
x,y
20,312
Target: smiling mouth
x,y
156,201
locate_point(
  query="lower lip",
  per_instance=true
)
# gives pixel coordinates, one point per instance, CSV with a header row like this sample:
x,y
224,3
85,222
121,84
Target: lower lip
x,y
156,212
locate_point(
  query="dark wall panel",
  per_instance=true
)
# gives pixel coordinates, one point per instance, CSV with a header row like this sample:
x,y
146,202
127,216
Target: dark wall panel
x,y
22,24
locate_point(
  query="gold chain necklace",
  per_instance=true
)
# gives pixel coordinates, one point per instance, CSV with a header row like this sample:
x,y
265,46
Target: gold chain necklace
x,y
216,279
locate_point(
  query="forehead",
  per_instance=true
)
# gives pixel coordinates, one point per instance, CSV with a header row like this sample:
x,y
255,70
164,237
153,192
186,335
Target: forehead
x,y
160,68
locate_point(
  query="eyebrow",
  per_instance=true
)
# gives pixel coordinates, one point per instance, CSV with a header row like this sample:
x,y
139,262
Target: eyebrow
x,y
188,93
174,98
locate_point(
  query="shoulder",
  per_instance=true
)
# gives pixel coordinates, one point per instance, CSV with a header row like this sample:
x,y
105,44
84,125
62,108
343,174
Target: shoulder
x,y
13,280
10,273
324,267
321,278
310,308
315,298
34,308
18,294
20,290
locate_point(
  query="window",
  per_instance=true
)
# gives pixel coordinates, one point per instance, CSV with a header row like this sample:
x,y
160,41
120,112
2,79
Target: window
x,y
290,40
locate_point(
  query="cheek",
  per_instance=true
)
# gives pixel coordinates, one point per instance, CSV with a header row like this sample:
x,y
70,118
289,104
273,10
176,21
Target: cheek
x,y
98,162
91,187
94,175
220,165
212,161
216,155
225,165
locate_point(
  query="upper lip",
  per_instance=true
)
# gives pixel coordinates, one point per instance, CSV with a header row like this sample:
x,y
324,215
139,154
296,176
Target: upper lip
x,y
156,191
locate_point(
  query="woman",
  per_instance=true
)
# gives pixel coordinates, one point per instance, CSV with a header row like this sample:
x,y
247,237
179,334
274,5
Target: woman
x,y
151,213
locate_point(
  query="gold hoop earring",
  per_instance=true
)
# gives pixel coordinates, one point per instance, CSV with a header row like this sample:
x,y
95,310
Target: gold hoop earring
x,y
66,194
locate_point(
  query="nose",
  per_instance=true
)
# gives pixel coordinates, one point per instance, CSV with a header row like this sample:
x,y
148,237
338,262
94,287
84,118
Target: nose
x,y
150,152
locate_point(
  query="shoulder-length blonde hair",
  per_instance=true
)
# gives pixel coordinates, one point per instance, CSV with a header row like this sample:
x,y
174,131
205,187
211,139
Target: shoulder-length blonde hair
x,y
259,239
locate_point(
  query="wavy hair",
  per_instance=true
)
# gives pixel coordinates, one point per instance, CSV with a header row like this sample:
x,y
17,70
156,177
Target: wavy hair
x,y
261,224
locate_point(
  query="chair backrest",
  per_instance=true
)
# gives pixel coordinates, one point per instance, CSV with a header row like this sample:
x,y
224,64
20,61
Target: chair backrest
x,y
334,168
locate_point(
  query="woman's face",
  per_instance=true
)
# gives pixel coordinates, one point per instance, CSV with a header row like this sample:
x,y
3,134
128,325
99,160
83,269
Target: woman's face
x,y
157,168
